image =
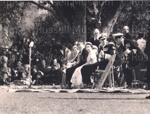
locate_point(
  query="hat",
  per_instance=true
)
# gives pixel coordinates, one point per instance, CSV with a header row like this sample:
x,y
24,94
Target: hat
x,y
116,35
126,28
95,47
103,36
89,43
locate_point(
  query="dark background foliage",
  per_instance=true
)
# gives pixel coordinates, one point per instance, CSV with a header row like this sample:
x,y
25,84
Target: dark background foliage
x,y
63,23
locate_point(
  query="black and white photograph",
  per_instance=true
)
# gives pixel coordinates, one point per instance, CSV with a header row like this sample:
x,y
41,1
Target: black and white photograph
x,y
75,57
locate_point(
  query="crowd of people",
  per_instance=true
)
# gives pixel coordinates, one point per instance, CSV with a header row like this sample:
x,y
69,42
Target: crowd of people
x,y
75,66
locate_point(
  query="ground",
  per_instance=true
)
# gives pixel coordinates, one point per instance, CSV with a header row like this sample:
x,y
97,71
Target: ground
x,y
72,103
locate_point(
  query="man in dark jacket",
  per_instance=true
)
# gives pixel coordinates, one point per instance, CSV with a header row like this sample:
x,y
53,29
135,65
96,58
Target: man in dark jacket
x,y
82,56
95,39
126,33
128,55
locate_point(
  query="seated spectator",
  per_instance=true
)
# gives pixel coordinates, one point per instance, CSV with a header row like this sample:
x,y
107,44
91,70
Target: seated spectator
x,y
76,79
55,64
67,55
81,59
5,74
106,50
74,55
42,66
37,77
95,49
25,72
56,73
17,71
56,77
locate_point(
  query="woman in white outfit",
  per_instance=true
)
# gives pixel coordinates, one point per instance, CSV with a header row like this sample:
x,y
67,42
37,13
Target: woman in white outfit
x,y
76,79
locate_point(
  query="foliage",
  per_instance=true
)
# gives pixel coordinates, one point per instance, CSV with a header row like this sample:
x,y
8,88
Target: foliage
x,y
135,15
67,22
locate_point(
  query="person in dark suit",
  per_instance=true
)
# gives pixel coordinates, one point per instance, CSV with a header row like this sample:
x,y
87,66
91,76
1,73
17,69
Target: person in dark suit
x,y
81,59
126,33
147,52
128,55
95,39
106,50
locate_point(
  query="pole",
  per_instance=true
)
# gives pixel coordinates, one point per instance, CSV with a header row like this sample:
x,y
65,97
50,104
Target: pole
x,y
30,53
29,76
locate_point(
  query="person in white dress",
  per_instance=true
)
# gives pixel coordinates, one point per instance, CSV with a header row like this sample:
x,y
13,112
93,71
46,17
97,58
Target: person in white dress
x,y
76,79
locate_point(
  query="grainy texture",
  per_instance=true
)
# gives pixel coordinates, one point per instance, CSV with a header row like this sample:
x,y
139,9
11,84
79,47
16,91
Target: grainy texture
x,y
72,103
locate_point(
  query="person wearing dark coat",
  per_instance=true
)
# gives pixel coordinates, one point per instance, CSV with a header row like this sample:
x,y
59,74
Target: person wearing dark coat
x,y
128,55
95,39
147,52
126,33
82,55
106,50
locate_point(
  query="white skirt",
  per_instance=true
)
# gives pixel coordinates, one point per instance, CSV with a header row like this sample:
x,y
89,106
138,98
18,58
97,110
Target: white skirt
x,y
76,79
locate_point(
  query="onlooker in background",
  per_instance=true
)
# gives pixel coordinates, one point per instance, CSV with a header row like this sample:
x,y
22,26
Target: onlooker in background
x,y
126,33
42,66
5,74
17,71
56,73
74,55
95,39
67,55
147,51
37,77
25,72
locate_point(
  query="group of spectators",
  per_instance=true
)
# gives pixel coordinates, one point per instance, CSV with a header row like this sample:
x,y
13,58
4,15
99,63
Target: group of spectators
x,y
73,67
100,49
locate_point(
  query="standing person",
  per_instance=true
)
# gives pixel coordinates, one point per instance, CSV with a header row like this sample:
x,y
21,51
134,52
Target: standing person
x,y
81,59
76,79
126,33
127,53
147,51
95,39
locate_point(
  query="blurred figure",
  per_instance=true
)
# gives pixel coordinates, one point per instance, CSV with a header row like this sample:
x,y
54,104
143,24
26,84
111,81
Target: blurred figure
x,y
95,39
95,49
17,71
37,77
126,33
25,72
42,66
5,74
74,55
67,55
81,59
76,79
